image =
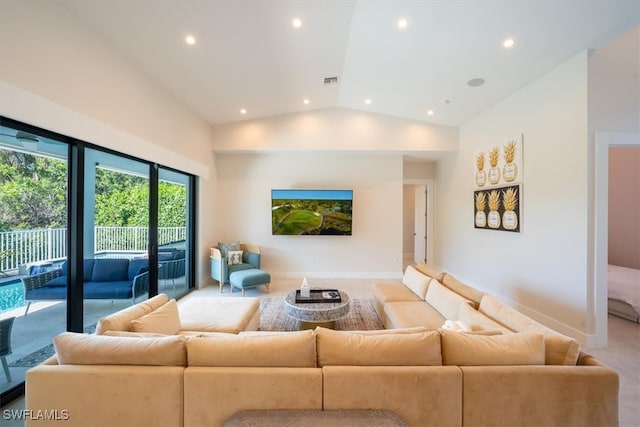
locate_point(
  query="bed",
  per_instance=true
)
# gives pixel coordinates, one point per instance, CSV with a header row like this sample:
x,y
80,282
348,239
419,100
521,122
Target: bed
x,y
624,292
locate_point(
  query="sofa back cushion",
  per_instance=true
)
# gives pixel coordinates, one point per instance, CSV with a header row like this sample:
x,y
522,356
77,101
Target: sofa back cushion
x,y
430,271
291,350
121,320
560,349
82,349
445,300
416,281
87,269
110,270
137,266
462,289
346,348
463,349
162,320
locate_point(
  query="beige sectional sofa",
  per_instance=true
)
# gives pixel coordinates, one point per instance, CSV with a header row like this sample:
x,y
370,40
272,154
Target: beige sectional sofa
x,y
143,368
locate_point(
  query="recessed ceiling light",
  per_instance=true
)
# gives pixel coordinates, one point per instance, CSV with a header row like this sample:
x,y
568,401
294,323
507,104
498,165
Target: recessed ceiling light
x,y
367,101
445,101
402,23
509,43
430,112
305,101
296,23
243,111
190,39
475,82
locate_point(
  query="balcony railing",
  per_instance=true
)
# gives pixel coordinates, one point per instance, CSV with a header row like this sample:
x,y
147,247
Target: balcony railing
x,y
22,247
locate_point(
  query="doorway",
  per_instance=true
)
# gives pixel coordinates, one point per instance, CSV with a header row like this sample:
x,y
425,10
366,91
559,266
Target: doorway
x,y
597,321
417,241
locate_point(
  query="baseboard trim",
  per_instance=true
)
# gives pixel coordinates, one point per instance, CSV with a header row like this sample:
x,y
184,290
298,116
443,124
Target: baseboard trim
x,y
336,274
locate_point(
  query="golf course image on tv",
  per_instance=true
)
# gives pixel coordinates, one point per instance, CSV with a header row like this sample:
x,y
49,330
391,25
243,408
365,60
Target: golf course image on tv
x,y
311,212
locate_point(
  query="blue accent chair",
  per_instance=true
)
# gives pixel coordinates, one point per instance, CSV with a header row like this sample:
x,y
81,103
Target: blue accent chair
x,y
220,270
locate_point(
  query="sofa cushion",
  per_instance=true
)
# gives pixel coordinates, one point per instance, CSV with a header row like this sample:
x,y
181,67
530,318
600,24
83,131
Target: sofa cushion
x,y
137,266
293,350
463,349
163,320
212,314
58,282
416,281
390,292
344,348
560,349
110,270
121,320
133,334
479,322
87,269
430,271
462,289
408,314
82,349
445,300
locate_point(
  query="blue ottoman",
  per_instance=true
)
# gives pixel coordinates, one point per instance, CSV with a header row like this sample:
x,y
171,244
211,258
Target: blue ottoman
x,y
251,278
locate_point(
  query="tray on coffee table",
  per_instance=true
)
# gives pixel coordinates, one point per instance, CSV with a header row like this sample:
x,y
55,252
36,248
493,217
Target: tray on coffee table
x,y
319,296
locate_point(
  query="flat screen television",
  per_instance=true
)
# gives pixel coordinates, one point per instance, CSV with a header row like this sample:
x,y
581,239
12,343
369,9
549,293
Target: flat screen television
x,y
311,212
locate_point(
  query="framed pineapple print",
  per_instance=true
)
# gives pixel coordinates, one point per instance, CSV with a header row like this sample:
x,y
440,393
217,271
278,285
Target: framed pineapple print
x,y
497,196
499,165
498,208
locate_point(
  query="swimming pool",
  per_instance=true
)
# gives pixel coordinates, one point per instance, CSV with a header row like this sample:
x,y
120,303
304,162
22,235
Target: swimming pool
x,y
11,295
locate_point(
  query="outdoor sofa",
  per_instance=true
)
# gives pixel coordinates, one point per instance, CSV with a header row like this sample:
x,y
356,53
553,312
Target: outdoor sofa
x,y
104,278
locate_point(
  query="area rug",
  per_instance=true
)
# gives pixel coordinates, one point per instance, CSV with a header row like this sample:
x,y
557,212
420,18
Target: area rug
x,y
361,316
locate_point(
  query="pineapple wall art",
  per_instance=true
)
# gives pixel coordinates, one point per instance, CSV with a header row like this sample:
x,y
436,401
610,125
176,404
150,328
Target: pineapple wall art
x,y
497,196
499,165
498,208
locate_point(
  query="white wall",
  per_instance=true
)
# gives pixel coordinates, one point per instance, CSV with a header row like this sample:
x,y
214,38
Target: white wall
x,y
245,182
335,129
543,269
57,75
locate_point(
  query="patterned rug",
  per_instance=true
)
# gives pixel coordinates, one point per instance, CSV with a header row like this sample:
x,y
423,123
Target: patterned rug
x,y
362,316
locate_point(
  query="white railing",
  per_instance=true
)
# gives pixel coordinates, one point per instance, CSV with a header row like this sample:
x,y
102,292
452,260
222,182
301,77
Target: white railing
x,y
23,247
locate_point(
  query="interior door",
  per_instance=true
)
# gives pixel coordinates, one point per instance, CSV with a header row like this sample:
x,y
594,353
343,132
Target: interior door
x,y
420,218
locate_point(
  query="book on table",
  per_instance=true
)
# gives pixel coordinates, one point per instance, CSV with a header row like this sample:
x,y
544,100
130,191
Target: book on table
x,y
319,296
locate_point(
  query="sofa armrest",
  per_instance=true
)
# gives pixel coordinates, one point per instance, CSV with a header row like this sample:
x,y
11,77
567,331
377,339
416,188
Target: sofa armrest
x,y
140,285
37,281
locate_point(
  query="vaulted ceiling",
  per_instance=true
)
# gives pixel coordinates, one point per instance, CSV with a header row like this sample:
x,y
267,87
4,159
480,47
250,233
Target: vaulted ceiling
x,y
248,54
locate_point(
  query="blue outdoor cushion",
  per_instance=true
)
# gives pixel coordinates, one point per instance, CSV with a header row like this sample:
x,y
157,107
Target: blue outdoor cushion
x,y
87,269
107,290
110,270
137,266
57,282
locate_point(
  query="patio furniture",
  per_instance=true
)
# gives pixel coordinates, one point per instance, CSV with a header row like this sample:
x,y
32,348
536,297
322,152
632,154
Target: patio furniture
x,y
172,265
5,344
104,278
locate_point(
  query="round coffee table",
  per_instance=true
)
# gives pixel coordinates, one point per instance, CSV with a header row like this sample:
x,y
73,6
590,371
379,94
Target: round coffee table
x,y
322,314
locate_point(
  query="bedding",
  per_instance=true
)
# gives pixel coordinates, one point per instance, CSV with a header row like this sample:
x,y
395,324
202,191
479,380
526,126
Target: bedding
x,y
624,292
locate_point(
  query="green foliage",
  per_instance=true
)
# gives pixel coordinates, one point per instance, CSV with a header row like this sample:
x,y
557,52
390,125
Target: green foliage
x,y
33,194
33,191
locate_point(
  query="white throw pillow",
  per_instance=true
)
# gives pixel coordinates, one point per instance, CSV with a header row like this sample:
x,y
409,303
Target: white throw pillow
x,y
163,320
234,257
416,281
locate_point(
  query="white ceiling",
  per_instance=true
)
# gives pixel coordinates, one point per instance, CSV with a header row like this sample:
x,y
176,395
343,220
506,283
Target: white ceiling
x,y
248,55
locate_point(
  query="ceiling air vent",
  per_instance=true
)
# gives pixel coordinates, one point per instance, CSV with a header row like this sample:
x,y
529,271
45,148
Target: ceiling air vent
x,y
330,80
